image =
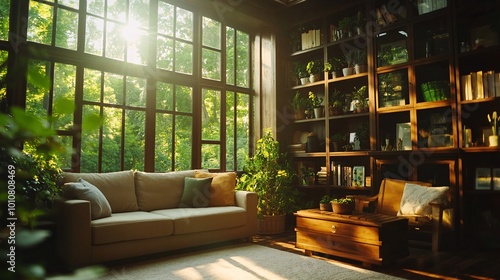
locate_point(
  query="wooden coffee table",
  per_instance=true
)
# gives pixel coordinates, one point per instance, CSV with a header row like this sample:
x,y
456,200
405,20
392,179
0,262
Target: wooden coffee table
x,y
366,237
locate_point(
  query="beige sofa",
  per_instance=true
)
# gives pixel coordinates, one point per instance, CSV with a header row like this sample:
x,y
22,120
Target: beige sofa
x,y
147,214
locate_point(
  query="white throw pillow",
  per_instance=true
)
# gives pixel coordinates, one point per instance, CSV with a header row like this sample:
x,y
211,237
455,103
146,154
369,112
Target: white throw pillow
x,y
99,205
416,198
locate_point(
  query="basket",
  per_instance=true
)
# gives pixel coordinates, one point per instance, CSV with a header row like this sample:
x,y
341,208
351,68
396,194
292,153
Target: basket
x,y
271,224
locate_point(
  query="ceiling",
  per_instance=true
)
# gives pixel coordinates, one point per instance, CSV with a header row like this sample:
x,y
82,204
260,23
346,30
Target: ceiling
x,y
288,3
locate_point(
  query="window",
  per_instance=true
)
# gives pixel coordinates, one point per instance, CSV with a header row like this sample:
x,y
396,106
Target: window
x,y
127,87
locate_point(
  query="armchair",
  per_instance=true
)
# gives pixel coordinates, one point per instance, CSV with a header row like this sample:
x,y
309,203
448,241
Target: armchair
x,y
388,202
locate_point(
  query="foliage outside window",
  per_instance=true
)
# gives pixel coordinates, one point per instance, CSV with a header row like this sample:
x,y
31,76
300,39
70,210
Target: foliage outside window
x,y
110,70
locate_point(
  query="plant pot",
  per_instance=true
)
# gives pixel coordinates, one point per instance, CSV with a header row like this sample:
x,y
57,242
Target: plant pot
x,y
342,208
334,74
493,140
304,81
360,68
269,225
319,112
325,206
335,111
347,71
299,114
313,78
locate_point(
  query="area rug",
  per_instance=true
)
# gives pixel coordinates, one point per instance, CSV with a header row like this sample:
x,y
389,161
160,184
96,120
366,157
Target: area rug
x,y
239,261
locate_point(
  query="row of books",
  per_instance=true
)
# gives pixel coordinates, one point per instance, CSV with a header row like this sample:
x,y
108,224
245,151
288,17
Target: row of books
x,y
311,39
479,85
345,175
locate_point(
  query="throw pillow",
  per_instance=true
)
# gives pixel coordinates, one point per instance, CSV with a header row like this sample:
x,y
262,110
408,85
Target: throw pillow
x,y
416,198
195,193
99,205
222,188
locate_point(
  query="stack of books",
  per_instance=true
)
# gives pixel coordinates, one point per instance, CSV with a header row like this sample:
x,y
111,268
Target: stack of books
x,y
479,85
311,39
322,176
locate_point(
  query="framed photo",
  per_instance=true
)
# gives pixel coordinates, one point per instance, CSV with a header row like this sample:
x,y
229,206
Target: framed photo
x,y
403,136
495,177
358,176
483,178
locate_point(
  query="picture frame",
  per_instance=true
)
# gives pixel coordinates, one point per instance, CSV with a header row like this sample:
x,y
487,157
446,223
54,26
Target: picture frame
x,y
483,178
495,178
358,176
403,132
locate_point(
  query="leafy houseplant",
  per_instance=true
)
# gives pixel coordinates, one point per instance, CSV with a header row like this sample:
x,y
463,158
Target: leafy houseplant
x,y
360,61
338,141
363,136
268,174
313,67
325,204
344,205
298,105
336,102
333,65
308,176
348,62
300,71
317,104
361,96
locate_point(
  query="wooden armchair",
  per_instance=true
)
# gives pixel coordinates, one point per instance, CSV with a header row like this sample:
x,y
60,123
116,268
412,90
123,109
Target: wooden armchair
x,y
388,202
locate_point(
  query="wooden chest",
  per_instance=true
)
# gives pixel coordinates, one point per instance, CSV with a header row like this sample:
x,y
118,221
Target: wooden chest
x,y
366,237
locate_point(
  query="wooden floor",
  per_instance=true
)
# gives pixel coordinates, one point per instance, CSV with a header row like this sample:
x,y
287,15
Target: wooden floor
x,y
420,264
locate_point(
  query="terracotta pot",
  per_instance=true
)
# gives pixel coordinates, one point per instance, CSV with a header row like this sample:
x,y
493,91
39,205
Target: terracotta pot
x,y
325,206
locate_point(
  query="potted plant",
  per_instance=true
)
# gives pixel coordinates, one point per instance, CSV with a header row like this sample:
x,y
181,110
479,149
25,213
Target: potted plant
x,y
345,26
361,99
344,205
359,22
348,62
493,120
325,204
360,61
313,67
268,174
300,71
363,136
338,141
334,66
308,176
336,102
298,105
317,104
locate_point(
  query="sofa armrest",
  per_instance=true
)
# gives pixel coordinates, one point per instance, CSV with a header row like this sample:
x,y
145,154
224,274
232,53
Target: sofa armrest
x,y
248,201
74,239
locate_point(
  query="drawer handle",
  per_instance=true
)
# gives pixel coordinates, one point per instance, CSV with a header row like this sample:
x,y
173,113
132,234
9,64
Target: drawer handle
x,y
334,229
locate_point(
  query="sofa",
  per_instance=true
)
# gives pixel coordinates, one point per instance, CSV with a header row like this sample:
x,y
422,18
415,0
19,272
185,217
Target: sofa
x,y
109,216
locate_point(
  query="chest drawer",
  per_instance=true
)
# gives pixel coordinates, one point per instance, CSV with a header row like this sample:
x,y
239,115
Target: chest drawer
x,y
338,228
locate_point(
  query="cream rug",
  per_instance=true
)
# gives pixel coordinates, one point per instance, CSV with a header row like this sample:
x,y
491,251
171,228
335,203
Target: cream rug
x,y
240,262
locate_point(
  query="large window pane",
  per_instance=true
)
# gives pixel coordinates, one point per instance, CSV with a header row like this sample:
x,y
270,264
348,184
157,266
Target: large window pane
x,y
184,99
164,96
230,51
3,73
64,96
163,142
89,158
134,140
210,156
139,13
94,36
66,29
183,58
111,140
69,3
113,88
137,45
242,59
37,89
92,85
210,118
211,65
165,18
183,142
117,10
64,156
230,129
211,33
136,92
165,53
40,23
184,24
95,7
4,19
115,43
242,128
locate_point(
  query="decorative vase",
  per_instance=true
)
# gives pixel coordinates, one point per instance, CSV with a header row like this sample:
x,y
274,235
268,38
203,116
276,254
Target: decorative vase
x,y
319,112
334,74
347,71
359,68
342,208
299,114
493,140
304,81
312,78
271,224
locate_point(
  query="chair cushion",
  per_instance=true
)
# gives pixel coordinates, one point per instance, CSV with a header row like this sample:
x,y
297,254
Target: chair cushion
x,y
160,190
390,194
117,187
99,205
222,187
195,193
416,199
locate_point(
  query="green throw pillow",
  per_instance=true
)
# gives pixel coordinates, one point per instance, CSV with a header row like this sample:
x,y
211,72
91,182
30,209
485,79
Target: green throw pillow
x,y
195,193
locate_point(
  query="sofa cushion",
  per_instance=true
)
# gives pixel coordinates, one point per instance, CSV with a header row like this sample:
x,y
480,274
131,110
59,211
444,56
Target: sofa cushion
x,y
416,199
195,193
191,220
117,187
130,226
99,205
160,190
222,187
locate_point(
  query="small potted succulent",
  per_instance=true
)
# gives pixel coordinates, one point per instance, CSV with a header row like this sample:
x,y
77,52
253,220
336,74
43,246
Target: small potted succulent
x,y
325,204
344,205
